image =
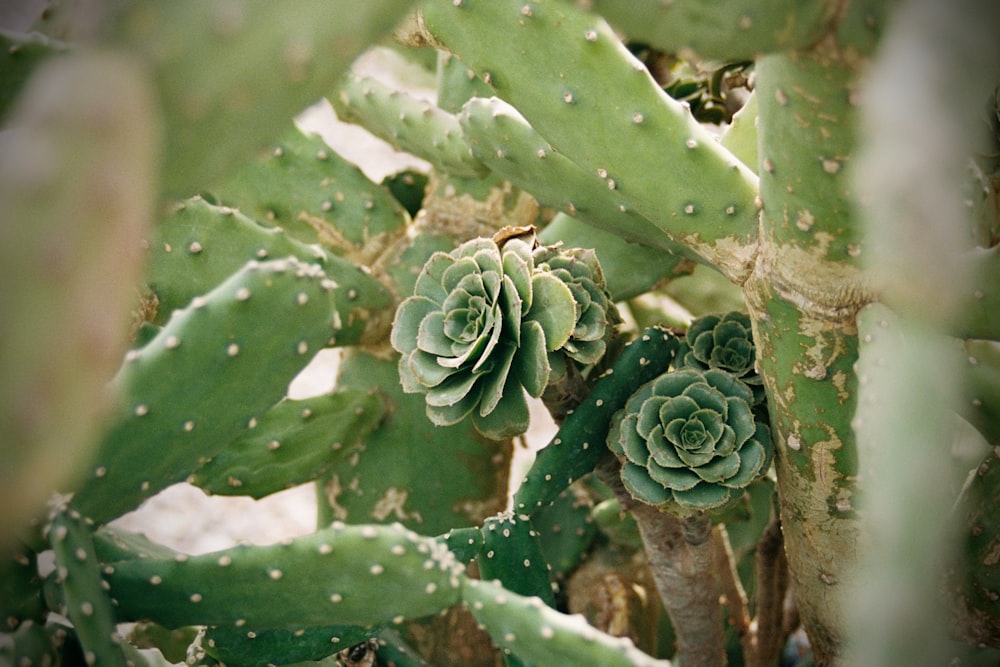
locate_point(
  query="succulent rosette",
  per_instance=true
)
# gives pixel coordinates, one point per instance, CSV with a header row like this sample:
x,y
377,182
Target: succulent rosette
x,y
724,342
595,314
476,334
688,441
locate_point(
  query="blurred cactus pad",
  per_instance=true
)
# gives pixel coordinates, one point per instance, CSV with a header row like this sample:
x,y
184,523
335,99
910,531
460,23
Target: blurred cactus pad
x,y
746,257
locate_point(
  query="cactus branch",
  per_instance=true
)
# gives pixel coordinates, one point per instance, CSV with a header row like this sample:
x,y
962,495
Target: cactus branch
x,y
169,420
771,570
728,30
597,105
86,600
217,115
539,635
501,138
407,123
311,581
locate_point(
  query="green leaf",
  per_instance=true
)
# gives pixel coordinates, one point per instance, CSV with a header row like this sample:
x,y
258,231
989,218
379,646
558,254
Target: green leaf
x,y
704,497
509,418
719,469
752,457
409,315
679,479
497,381
553,307
532,363
640,485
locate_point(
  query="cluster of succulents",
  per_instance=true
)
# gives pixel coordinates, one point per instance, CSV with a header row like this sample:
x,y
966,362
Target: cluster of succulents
x,y
689,440
494,320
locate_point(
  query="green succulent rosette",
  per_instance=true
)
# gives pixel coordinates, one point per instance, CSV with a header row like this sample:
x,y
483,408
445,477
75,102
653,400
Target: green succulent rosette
x,y
724,342
688,441
476,334
595,314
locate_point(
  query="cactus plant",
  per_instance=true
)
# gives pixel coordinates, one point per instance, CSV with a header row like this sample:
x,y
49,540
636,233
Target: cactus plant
x,y
718,482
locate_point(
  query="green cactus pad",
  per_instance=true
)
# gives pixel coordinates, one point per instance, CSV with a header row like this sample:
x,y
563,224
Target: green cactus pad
x,y
575,449
512,554
565,530
232,75
20,587
408,124
983,387
261,647
31,643
502,139
343,575
84,597
200,244
740,138
457,83
727,30
305,187
431,478
465,543
114,544
540,635
294,442
250,336
393,650
597,105
980,316
630,269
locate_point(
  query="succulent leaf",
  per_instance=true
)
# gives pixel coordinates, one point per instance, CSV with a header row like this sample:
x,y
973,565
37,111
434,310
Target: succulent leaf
x,y
688,441
594,316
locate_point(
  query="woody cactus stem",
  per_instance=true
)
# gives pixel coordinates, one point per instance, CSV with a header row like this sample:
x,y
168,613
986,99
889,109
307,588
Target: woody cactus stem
x,y
803,296
685,573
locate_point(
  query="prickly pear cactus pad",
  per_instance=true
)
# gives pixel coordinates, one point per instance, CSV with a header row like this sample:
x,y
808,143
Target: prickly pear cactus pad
x,y
688,441
252,334
477,332
343,575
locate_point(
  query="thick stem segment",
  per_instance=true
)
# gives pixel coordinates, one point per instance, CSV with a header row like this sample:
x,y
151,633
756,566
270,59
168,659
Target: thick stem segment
x,y
803,297
682,560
